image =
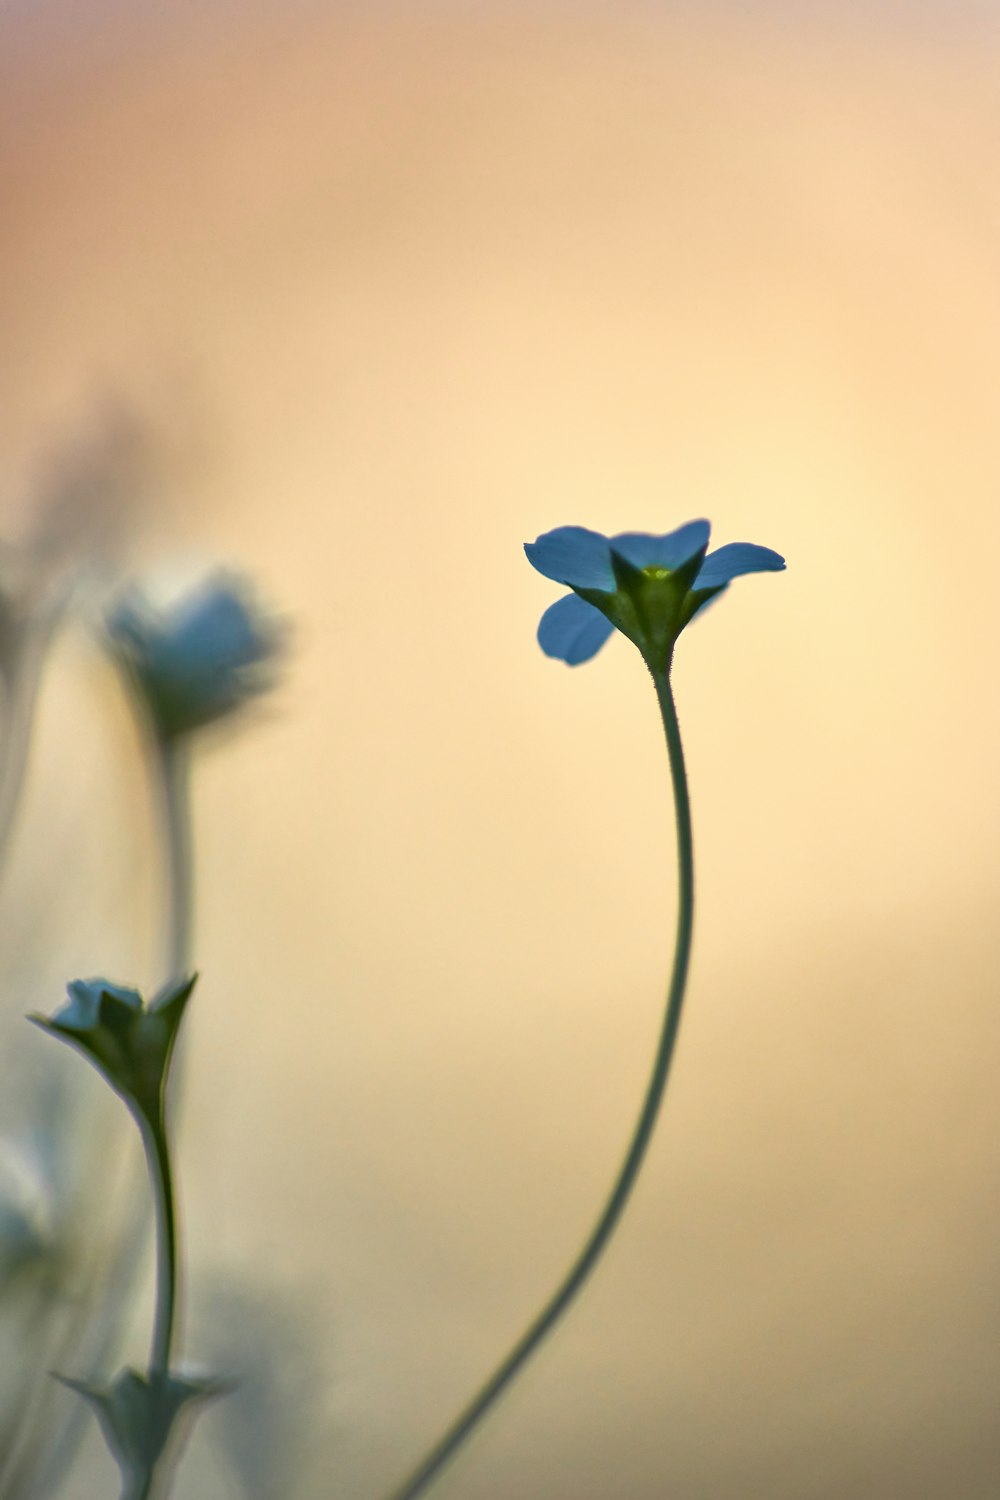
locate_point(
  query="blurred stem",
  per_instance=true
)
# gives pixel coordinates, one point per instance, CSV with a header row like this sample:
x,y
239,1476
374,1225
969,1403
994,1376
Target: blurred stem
x,y
18,1418
38,1474
461,1429
173,765
174,770
154,1138
22,680
20,698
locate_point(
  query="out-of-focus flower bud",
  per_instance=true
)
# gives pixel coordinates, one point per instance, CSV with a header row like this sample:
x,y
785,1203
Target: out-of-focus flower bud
x,y
200,659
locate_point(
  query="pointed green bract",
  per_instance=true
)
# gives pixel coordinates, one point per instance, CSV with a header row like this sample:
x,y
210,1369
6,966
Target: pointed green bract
x,y
143,1420
650,605
129,1043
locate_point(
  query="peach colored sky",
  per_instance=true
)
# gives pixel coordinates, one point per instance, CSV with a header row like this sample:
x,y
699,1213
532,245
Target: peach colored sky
x,y
409,285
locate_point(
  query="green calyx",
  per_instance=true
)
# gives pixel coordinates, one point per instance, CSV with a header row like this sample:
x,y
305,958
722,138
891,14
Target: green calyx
x,y
141,1418
651,606
128,1042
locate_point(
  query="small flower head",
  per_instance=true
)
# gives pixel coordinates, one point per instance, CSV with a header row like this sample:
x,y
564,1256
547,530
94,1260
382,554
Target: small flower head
x,y
199,660
129,1042
648,587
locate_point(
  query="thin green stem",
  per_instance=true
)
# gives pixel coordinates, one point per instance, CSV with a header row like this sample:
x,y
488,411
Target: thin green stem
x,y
174,771
142,1487
174,774
461,1429
139,1482
154,1138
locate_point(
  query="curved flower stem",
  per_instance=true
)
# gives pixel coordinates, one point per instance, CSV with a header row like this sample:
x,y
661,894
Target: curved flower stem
x,y
141,1487
154,1138
173,764
173,767
442,1453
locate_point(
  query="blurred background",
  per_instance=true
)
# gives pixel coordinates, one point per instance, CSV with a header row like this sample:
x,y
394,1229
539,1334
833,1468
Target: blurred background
x,y
376,293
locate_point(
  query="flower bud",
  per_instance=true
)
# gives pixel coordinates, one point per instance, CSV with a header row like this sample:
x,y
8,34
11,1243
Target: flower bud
x,y
129,1042
200,659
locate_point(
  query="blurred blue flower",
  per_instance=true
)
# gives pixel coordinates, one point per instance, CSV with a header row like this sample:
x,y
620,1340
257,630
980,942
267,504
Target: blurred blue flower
x,y
648,587
196,662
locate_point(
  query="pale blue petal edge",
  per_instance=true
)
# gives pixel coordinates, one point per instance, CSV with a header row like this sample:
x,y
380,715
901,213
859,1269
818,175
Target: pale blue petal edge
x,y
572,630
82,1009
670,551
735,559
574,556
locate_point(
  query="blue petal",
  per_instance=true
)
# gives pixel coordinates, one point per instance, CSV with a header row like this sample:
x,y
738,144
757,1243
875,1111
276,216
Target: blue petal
x,y
670,551
733,560
574,556
573,630
214,629
83,1008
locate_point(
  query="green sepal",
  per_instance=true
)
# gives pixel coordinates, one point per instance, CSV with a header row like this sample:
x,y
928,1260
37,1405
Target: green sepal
x,y
650,605
142,1419
129,1043
697,599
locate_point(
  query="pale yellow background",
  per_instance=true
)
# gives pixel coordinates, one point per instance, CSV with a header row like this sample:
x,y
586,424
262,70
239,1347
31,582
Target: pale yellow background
x,y
408,284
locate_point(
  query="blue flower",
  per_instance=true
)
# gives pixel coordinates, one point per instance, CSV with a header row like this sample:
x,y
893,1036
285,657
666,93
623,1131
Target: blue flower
x,y
199,660
648,587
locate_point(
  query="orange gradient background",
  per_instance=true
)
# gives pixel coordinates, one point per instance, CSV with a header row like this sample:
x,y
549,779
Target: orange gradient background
x,y
409,284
